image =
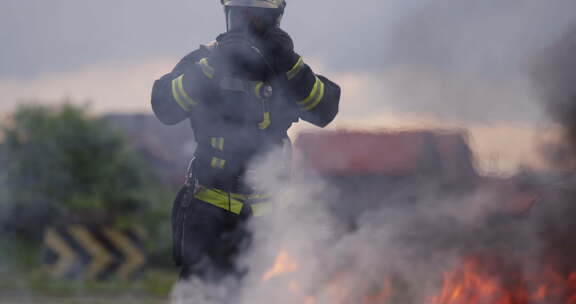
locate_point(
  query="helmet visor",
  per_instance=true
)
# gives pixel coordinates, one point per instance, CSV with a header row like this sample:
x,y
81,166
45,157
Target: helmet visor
x,y
251,18
255,3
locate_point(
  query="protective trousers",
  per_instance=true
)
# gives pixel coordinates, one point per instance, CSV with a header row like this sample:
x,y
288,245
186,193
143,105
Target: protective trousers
x,y
206,239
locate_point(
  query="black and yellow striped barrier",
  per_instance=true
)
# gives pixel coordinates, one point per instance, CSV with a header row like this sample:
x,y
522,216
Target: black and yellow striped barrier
x,y
93,252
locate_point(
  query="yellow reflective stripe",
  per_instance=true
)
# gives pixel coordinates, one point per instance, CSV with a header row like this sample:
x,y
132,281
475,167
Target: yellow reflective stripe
x,y
218,163
239,196
219,199
317,100
266,122
233,202
314,93
183,92
257,89
206,68
295,69
185,106
244,197
261,208
217,143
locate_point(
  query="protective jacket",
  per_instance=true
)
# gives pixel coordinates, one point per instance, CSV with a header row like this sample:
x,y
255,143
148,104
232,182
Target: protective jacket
x,y
238,117
241,94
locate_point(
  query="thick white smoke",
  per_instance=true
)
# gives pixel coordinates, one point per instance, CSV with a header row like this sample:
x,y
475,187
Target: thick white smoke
x,y
400,242
455,60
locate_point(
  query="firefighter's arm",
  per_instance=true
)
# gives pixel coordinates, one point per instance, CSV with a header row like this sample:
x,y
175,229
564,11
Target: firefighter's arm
x,y
178,94
316,96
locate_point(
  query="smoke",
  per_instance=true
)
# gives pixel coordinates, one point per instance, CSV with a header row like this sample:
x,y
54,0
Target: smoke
x,y
3,209
463,61
554,78
475,63
403,242
452,59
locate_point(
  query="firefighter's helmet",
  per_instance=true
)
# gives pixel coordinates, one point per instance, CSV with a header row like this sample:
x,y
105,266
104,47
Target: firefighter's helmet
x,y
274,4
261,14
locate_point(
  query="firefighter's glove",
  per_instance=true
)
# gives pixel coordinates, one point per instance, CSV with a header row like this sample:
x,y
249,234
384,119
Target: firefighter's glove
x,y
237,56
279,50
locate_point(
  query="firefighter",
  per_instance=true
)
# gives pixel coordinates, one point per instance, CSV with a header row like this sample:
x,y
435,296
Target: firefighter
x,y
240,93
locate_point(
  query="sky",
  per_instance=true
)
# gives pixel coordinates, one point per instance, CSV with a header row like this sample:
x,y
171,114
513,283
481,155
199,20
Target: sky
x,y
401,63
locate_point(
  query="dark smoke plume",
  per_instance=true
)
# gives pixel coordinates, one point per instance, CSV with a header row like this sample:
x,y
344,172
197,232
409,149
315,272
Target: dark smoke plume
x,y
555,80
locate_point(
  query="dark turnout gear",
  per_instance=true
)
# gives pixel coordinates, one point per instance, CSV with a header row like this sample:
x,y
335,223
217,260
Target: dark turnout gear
x,y
237,57
207,238
236,119
241,94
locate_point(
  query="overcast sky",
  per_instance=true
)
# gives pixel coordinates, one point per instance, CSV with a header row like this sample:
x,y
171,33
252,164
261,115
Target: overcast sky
x,y
455,61
47,36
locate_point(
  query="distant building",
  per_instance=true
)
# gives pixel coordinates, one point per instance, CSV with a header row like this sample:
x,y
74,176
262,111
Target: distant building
x,y
395,167
444,156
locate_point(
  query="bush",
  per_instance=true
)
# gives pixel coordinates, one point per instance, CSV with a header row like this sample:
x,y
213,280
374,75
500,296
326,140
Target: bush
x,y
59,163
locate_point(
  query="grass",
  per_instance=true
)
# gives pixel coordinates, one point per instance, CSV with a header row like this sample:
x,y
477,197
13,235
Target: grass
x,y
23,280
79,300
153,283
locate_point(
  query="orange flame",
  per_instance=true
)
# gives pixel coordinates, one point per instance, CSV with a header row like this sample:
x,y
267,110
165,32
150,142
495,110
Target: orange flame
x,y
283,264
336,289
474,283
477,281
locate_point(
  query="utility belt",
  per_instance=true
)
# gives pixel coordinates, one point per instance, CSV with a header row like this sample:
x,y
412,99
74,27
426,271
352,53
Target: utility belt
x,y
235,203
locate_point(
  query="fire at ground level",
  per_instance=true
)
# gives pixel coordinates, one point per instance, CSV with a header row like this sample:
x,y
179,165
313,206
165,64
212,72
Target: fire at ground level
x,y
489,279
517,249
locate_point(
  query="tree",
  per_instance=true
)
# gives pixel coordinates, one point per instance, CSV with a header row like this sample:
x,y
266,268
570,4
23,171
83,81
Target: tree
x,y
59,163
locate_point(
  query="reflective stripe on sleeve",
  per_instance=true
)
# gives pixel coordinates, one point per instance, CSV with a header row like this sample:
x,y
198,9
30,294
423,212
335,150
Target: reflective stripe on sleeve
x,y
295,69
207,69
180,95
257,89
315,96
